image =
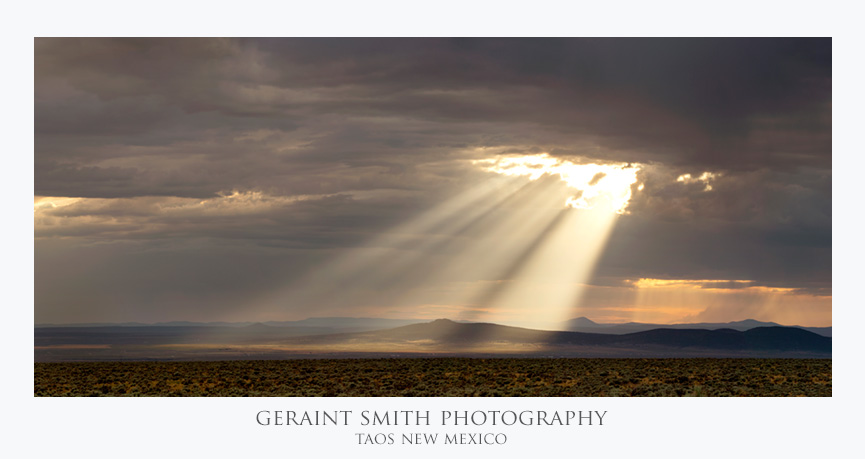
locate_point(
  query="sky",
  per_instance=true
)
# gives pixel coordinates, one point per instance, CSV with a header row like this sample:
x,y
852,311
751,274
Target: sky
x,y
521,181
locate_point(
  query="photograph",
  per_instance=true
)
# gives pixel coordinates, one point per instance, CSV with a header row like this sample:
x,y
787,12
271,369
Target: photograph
x,y
470,217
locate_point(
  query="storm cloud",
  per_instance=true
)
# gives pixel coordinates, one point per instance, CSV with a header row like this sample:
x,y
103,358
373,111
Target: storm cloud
x,y
207,171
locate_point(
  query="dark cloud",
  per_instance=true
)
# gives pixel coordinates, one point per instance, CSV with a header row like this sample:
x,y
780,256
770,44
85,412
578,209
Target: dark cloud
x,y
713,102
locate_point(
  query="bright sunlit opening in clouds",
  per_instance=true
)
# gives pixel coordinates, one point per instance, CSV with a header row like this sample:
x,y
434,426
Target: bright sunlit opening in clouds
x,y
598,185
705,177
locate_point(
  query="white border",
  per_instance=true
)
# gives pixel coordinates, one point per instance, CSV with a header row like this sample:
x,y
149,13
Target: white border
x,y
227,428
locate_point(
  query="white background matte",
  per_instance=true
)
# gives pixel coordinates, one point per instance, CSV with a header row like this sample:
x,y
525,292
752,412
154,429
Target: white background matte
x,y
162,427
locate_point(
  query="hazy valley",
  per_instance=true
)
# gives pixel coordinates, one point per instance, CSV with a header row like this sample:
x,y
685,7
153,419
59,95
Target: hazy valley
x,y
349,337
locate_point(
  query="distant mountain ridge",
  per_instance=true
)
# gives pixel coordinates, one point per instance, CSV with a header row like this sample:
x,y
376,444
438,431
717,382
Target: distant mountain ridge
x,y
584,324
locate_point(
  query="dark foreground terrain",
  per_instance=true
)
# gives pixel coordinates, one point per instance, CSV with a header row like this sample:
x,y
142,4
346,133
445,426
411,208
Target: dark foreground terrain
x,y
433,377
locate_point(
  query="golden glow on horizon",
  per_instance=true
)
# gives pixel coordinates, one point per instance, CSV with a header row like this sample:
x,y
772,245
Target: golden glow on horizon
x,y
707,284
720,300
601,186
652,283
